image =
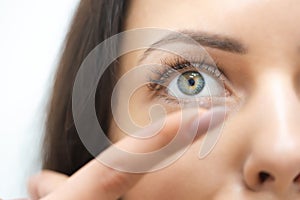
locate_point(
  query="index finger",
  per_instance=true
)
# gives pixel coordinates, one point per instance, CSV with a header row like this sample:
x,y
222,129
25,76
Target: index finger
x,y
98,181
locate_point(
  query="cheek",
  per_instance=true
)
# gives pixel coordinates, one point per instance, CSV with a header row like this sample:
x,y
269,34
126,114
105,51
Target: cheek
x,y
189,177
140,107
145,107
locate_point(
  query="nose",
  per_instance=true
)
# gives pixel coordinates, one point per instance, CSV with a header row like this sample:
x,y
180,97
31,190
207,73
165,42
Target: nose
x,y
273,161
276,169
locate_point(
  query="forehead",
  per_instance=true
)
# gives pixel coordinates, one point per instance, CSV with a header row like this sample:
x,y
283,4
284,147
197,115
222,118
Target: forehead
x,y
253,21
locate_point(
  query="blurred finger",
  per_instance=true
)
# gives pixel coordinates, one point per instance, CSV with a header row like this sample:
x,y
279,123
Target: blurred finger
x,y
97,181
44,183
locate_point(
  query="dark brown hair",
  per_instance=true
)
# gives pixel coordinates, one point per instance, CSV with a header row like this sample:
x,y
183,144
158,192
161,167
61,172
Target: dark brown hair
x,y
94,21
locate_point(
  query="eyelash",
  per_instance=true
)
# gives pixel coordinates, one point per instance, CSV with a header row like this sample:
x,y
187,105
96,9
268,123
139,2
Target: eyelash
x,y
179,64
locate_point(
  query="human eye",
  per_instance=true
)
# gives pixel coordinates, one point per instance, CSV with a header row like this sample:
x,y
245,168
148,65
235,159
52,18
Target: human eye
x,y
185,81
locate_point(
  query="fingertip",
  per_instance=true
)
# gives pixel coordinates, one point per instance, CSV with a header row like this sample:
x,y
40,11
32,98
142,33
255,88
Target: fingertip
x,y
43,183
32,186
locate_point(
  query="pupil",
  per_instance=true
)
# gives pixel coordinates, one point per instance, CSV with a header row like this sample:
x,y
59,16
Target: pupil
x,y
191,82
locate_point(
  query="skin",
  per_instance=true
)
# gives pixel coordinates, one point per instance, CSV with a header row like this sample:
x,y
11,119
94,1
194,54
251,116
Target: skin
x,y
262,135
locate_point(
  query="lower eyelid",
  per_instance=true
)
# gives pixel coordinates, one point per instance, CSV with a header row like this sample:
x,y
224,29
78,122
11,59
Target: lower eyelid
x,y
204,102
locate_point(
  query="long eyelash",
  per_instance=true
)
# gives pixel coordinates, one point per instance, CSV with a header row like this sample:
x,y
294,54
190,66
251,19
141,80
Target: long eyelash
x,y
177,64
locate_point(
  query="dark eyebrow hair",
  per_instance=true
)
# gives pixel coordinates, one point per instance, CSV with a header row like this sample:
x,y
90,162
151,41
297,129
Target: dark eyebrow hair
x,y
215,41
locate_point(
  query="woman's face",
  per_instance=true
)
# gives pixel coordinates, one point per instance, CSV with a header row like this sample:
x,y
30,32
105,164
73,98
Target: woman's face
x,y
257,155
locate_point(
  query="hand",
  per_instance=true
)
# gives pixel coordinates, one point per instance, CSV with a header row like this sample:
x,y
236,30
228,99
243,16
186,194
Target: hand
x,y
97,181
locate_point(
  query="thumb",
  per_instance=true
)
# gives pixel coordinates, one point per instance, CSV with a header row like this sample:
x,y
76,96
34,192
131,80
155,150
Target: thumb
x,y
44,183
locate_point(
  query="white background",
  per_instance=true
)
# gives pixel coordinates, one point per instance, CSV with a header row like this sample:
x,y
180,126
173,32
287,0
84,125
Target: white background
x,y
31,34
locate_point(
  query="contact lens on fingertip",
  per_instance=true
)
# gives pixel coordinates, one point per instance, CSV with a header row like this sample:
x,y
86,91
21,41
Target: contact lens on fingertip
x,y
210,118
216,119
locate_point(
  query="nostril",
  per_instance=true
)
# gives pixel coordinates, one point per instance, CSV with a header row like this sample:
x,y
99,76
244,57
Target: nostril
x,y
297,179
264,176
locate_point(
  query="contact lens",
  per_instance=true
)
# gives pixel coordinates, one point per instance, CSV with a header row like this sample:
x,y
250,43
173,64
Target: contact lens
x,y
190,83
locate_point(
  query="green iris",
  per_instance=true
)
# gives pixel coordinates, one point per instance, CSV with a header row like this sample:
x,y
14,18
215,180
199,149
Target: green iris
x,y
191,83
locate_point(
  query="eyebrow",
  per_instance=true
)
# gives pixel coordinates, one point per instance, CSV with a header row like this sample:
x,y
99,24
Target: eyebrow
x,y
216,41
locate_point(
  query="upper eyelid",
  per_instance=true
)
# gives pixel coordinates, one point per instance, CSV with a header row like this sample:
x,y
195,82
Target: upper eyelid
x,y
209,69
197,65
